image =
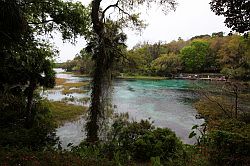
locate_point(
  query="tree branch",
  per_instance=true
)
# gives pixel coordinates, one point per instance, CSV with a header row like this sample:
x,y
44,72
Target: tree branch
x,y
121,10
110,6
114,6
218,104
97,24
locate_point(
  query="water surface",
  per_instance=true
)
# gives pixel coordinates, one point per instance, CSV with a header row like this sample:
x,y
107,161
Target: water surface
x,y
166,102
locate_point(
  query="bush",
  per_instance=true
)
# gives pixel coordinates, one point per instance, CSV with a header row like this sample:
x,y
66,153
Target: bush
x,y
226,148
13,127
142,142
132,143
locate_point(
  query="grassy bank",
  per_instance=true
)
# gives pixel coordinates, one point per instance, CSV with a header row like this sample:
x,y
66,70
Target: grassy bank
x,y
63,112
71,87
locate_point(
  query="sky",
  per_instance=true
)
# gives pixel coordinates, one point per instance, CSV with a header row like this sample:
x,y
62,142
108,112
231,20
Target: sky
x,y
191,18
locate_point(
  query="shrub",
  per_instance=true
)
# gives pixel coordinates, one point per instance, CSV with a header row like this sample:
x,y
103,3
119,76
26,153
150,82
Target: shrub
x,y
226,148
13,130
132,143
141,141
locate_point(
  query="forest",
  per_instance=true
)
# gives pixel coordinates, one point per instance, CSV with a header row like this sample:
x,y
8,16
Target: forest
x,y
29,121
214,53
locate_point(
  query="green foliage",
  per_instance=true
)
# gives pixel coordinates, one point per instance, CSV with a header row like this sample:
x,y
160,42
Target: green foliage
x,y
227,140
71,19
167,64
62,112
26,64
47,157
226,148
234,57
141,141
135,142
226,54
194,56
236,13
13,130
82,63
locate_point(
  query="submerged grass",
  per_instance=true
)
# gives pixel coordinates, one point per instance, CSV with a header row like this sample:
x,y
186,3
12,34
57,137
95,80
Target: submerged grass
x,y
70,91
60,81
75,84
74,87
63,112
70,87
73,99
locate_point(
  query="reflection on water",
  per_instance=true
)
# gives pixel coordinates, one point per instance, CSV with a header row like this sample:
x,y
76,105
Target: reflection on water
x,y
71,132
163,101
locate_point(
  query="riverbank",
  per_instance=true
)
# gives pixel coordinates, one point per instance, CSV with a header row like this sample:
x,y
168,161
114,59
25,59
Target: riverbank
x,y
63,112
181,76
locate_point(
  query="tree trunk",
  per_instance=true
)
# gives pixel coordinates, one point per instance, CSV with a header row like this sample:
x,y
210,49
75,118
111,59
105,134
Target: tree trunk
x,y
95,108
30,96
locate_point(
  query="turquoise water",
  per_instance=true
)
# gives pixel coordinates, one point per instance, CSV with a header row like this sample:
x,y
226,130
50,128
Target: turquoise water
x,y
166,102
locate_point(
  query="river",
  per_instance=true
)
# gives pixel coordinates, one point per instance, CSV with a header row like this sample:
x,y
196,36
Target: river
x,y
166,102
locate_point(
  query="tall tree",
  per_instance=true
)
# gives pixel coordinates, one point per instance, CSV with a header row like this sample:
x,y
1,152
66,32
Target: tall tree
x,y
25,57
194,56
235,57
107,47
167,64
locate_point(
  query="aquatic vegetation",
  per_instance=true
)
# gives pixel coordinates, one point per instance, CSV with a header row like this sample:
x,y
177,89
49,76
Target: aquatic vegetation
x,y
74,87
63,112
60,81
74,99
70,91
70,87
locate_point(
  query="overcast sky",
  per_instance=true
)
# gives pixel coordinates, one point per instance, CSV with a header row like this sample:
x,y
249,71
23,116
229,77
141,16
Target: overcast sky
x,y
191,18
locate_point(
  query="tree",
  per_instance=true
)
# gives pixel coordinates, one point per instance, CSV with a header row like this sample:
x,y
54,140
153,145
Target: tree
x,y
26,59
237,13
106,47
212,60
22,20
194,56
234,57
175,46
167,64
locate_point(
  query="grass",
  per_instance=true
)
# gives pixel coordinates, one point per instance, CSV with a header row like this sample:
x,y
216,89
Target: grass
x,y
73,99
70,91
73,87
47,158
75,84
63,112
66,72
60,81
66,86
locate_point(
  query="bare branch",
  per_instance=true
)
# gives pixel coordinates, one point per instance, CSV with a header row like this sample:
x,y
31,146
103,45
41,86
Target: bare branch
x,y
121,10
110,6
218,104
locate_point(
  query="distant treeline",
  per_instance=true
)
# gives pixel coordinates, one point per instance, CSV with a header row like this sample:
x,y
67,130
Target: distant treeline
x,y
216,53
